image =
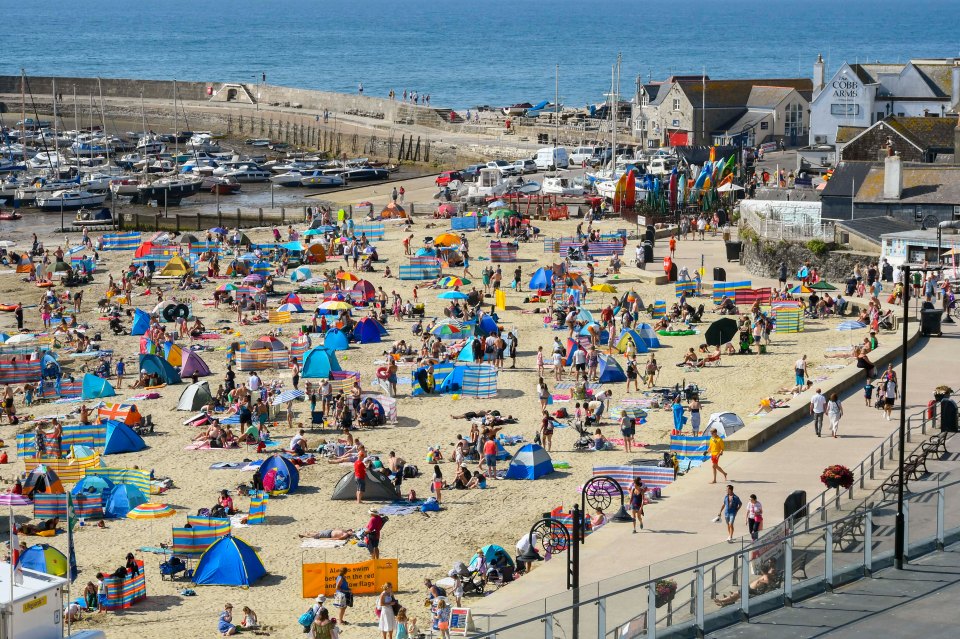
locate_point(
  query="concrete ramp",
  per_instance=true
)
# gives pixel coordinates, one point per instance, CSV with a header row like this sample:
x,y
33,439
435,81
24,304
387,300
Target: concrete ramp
x,y
233,92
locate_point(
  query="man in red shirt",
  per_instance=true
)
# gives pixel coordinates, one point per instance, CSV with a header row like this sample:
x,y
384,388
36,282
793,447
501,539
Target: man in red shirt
x,y
360,476
373,528
490,457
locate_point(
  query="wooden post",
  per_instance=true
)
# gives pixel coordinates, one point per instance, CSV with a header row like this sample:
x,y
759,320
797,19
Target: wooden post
x,y
241,124
238,218
283,215
260,216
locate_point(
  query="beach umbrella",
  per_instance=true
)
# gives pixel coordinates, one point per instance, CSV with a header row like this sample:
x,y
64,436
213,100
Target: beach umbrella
x,y
19,338
347,277
851,325
290,308
10,499
312,232
288,396
227,287
450,281
300,274
446,330
504,213
604,288
721,331
729,186
253,278
336,305
447,239
219,230
452,295
447,209
823,286
151,511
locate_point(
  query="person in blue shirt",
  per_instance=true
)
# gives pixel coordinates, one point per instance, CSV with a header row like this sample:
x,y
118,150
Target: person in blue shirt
x,y
678,418
121,368
728,511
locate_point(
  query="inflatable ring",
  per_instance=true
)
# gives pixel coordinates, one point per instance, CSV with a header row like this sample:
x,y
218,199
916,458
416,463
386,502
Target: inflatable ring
x,y
670,333
168,312
45,284
181,310
382,373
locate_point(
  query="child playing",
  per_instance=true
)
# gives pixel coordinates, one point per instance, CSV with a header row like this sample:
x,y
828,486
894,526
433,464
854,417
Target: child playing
x,y
867,393
578,415
442,618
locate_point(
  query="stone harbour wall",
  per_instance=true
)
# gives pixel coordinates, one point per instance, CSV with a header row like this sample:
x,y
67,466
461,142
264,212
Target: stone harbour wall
x,y
763,257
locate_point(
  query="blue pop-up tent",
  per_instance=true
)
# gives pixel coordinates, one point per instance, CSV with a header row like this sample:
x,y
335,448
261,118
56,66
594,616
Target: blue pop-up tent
x,y
336,340
609,371
541,280
120,438
286,475
368,331
530,462
319,362
156,365
141,322
122,499
96,387
229,561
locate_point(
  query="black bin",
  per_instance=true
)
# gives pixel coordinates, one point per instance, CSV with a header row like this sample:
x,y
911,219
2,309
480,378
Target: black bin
x,y
733,251
795,506
948,416
930,322
647,252
719,274
650,235
673,272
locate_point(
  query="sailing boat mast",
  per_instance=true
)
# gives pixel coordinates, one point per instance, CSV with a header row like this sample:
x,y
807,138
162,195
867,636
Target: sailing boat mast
x,y
103,122
143,119
176,141
56,136
23,113
76,110
556,112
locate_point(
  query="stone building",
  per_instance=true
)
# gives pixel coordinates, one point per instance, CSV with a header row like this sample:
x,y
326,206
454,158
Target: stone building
x,y
915,139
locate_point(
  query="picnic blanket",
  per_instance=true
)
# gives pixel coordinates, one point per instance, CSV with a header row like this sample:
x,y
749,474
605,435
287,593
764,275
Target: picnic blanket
x,y
323,543
401,508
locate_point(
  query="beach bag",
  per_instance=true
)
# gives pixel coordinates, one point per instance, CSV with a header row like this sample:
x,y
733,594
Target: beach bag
x,y
306,618
561,413
430,505
654,492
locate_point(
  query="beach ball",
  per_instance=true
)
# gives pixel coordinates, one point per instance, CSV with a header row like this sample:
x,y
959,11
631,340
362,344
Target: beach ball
x,y
454,397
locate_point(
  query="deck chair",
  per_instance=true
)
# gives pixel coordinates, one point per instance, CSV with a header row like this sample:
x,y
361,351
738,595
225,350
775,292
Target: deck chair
x,y
711,360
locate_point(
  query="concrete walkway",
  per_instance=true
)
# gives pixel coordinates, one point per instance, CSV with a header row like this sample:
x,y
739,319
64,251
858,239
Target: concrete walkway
x,y
679,528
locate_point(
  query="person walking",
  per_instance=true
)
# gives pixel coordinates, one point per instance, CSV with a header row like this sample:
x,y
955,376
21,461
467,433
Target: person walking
x,y
386,603
800,372
636,503
834,412
715,450
729,509
818,406
360,476
342,595
890,395
546,432
754,517
628,428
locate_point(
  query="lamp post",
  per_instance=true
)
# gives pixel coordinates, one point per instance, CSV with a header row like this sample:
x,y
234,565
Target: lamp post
x,y
899,541
555,539
598,493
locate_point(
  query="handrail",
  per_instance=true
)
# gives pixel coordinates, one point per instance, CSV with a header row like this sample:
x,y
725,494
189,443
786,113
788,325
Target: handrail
x,y
759,544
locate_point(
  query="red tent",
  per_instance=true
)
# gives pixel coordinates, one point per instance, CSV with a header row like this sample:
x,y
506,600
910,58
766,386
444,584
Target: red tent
x,y
365,289
267,342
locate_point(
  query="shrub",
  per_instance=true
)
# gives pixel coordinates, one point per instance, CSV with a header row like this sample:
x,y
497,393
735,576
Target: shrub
x,y
818,247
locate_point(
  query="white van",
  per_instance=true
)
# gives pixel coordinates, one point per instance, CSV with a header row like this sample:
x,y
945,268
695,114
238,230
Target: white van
x,y
550,159
588,154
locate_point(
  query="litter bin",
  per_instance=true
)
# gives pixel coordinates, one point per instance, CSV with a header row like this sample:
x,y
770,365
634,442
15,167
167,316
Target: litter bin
x,y
795,506
733,251
930,322
948,416
650,235
648,252
719,274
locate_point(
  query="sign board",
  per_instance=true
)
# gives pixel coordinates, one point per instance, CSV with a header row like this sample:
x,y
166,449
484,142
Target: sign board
x,y
39,602
768,147
459,619
365,578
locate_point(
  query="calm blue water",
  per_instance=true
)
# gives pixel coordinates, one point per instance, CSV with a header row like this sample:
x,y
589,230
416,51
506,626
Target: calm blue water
x,y
463,53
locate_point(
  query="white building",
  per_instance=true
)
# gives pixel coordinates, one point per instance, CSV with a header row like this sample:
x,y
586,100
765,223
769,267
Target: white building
x,y
859,95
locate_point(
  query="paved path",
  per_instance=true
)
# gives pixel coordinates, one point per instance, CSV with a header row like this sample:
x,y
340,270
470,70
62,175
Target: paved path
x,y
680,528
918,601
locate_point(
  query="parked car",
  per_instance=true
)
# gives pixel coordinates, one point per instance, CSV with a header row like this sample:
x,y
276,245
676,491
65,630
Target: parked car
x,y
504,167
449,176
526,166
588,154
472,172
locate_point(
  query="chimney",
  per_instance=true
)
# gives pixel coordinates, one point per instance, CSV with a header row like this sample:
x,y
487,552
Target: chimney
x,y
892,177
819,70
955,85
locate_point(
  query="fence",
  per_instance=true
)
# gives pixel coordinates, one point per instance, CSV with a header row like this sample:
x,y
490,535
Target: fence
x,y
766,224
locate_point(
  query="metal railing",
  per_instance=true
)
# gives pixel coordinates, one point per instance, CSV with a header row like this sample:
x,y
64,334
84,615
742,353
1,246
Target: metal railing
x,y
771,228
760,576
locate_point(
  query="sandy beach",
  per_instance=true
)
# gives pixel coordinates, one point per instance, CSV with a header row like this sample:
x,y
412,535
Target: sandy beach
x,y
426,545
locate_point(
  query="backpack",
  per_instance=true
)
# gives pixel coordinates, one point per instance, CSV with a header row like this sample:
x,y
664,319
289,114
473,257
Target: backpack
x,y
306,618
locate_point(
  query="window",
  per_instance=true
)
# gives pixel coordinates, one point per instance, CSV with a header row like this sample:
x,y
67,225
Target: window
x,y
956,211
764,126
644,100
845,110
643,125
676,123
676,104
879,116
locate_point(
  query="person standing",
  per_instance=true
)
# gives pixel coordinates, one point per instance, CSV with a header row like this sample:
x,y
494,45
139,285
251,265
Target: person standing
x,y
694,406
373,528
401,193
546,431
342,595
754,517
628,429
121,367
818,406
834,412
386,602
715,450
729,509
18,314
360,476
782,275
800,372
394,195
890,395
636,503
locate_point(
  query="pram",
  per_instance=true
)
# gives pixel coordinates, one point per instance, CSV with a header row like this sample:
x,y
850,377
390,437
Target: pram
x,y
472,581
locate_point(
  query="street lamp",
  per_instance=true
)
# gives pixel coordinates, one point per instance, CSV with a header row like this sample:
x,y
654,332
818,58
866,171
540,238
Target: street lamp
x,y
598,493
555,539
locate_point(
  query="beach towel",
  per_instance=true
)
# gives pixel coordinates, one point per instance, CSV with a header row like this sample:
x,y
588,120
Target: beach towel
x,y
401,508
228,466
323,543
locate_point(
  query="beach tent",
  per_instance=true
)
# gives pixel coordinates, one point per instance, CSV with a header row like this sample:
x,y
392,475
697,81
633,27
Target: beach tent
x,y
49,366
336,340
380,327
96,387
300,274
319,362
193,363
367,331
316,254
267,343
364,290
283,475
466,353
176,267
194,397
42,480
493,556
628,335
487,326
726,423
121,500
609,371
530,462
120,438
156,365
648,335
93,485
721,331
229,561
379,488
141,322
45,559
393,210
540,281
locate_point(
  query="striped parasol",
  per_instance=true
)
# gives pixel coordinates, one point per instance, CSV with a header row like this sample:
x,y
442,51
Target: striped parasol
x,y
151,511
288,396
11,499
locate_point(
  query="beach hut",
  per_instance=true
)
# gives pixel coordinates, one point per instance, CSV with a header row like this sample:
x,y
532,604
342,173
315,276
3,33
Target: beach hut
x,y
193,363
629,335
121,500
609,371
195,396
541,279
367,331
378,488
120,438
530,462
176,267
155,365
96,387
726,423
42,480
336,340
319,362
229,561
141,322
648,335
46,559
279,475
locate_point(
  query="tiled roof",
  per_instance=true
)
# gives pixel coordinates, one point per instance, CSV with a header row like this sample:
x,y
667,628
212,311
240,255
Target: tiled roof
x,y
736,93
871,228
847,133
846,178
922,184
927,133
764,96
745,121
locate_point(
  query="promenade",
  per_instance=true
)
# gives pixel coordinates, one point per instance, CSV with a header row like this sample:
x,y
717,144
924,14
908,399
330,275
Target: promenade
x,y
680,527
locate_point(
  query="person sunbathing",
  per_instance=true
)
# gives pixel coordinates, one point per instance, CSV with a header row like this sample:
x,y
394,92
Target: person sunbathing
x,y
43,526
757,587
333,533
690,359
350,455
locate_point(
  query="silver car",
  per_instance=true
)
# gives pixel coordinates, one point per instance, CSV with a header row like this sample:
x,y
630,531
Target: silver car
x,y
526,166
504,167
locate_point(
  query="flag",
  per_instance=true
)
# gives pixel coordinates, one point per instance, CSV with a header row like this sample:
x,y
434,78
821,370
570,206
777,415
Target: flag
x,y
71,554
15,566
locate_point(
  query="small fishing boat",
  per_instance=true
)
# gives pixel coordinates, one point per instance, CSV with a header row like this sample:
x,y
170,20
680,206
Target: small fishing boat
x,y
218,184
71,199
10,215
561,186
103,217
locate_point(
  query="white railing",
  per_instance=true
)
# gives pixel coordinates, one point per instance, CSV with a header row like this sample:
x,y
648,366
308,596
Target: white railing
x,y
774,229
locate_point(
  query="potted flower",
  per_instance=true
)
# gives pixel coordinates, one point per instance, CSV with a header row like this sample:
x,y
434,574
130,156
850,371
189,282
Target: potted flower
x,y
942,392
837,476
666,590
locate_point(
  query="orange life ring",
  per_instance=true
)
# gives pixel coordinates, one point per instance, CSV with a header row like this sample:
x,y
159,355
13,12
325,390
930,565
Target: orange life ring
x,y
45,284
383,373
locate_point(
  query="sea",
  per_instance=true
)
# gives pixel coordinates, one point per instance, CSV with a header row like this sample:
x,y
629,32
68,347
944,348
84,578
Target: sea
x,y
468,52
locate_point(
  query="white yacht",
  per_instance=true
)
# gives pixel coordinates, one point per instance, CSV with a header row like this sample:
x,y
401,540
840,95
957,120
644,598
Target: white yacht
x,y
290,178
46,160
563,186
69,200
248,173
318,179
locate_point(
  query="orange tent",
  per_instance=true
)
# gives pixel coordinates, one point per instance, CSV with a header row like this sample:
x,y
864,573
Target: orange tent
x,y
393,210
